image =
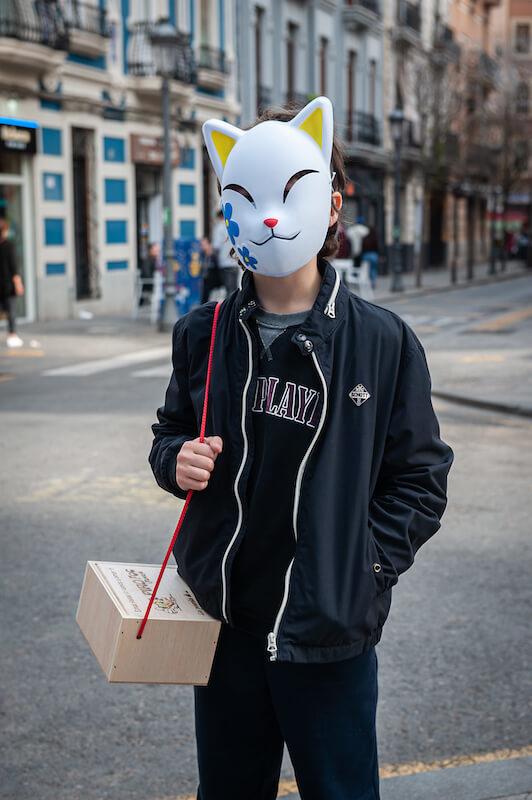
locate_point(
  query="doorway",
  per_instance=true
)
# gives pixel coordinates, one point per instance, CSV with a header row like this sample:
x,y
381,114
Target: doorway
x,y
149,193
85,234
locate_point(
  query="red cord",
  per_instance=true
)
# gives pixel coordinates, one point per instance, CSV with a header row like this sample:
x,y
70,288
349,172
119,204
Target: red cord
x,y
190,491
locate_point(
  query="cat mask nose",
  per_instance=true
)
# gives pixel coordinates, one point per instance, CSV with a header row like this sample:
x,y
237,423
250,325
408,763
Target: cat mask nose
x,y
271,222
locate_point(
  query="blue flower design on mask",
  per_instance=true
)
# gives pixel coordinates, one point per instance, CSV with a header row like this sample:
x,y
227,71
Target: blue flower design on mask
x,y
247,258
232,225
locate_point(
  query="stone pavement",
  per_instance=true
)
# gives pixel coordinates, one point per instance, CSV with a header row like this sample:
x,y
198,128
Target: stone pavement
x,y
510,779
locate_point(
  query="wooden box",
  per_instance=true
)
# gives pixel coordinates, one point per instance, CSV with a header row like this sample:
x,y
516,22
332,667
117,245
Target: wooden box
x,y
178,642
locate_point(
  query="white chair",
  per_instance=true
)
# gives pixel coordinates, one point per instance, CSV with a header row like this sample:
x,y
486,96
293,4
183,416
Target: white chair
x,y
356,278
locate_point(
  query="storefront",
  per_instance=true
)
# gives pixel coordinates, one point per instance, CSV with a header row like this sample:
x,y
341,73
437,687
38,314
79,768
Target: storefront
x,y
147,154
18,145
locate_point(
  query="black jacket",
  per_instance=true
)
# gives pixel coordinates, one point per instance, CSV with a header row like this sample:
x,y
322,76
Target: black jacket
x,y
370,490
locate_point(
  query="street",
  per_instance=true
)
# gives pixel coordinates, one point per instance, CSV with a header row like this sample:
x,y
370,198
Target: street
x,y
76,406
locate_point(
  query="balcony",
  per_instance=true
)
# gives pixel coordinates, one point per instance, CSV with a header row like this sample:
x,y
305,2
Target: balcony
x,y
360,14
407,32
488,70
362,128
212,67
141,64
446,49
32,40
411,137
88,28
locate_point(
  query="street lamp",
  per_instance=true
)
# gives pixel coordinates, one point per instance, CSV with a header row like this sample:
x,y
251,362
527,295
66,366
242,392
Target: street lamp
x,y
396,120
164,41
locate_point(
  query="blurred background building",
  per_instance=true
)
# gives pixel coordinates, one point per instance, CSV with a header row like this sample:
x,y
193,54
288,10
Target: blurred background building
x,y
80,125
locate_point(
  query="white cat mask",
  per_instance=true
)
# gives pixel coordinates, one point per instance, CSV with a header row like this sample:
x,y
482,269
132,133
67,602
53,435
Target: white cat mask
x,y
276,186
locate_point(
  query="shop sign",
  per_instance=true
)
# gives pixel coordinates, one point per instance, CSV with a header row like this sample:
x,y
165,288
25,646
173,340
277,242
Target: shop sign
x,y
17,138
150,150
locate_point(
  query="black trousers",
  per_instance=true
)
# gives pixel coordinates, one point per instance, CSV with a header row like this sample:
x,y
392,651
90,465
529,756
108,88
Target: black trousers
x,y
8,304
324,712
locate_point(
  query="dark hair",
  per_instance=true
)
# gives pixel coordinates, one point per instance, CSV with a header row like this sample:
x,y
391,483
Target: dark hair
x,y
285,114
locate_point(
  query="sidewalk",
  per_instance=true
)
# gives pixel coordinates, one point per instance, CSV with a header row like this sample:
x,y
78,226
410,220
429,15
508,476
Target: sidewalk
x,y
439,280
496,780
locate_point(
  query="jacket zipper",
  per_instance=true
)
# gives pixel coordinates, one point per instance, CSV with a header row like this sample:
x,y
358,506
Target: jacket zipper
x,y
272,636
242,464
330,310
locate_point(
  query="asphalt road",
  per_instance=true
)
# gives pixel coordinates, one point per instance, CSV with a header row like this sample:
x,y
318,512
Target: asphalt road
x,y
455,655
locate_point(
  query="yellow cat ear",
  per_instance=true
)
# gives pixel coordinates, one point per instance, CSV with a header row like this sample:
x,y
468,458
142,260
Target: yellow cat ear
x,y
220,138
313,125
316,119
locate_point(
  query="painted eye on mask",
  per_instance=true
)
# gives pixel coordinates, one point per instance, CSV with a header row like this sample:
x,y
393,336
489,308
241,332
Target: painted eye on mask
x,y
240,189
294,179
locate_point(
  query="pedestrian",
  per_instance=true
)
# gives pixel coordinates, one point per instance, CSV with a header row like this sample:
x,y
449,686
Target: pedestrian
x,y
210,271
355,234
369,252
227,263
322,474
11,285
148,268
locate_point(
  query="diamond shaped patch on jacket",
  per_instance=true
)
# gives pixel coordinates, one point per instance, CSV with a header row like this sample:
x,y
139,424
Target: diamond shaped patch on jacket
x,y
359,394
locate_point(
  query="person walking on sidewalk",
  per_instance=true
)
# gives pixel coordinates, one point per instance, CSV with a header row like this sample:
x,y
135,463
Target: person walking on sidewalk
x,y
322,475
11,285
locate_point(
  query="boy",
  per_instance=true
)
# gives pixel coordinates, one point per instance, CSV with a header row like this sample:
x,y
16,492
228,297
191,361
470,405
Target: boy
x,y
323,475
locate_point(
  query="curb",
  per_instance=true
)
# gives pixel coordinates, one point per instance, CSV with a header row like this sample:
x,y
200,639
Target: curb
x,y
451,286
486,405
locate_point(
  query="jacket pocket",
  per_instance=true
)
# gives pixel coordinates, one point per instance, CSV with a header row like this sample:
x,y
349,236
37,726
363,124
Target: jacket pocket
x,y
383,570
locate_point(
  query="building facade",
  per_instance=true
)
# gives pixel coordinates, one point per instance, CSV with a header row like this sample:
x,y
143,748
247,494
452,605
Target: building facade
x,y
80,140
290,51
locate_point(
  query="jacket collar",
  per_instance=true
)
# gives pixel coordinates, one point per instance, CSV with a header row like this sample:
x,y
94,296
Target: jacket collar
x,y
324,316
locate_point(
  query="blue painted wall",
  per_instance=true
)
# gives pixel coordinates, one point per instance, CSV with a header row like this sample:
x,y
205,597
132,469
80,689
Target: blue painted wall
x,y
52,141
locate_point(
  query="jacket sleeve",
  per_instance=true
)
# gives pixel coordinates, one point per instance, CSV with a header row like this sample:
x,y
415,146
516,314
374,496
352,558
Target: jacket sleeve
x,y
411,490
176,419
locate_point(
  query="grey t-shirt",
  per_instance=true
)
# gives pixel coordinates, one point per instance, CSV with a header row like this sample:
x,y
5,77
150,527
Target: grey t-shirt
x,y
271,325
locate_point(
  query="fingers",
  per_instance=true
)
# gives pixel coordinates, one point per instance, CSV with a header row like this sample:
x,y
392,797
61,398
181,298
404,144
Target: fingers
x,y
195,462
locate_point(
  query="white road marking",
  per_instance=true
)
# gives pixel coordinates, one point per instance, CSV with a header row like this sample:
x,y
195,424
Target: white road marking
x,y
162,371
116,362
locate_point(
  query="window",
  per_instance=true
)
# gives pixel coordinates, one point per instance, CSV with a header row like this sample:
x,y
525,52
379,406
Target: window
x,y
522,38
324,54
259,19
351,93
372,86
522,98
291,53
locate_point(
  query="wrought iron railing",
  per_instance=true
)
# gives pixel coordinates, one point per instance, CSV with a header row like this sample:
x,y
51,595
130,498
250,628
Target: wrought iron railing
x,y
85,17
34,21
140,59
409,14
211,58
363,128
369,5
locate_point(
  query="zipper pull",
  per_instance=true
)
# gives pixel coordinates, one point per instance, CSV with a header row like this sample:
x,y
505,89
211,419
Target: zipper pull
x,y
330,310
272,646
